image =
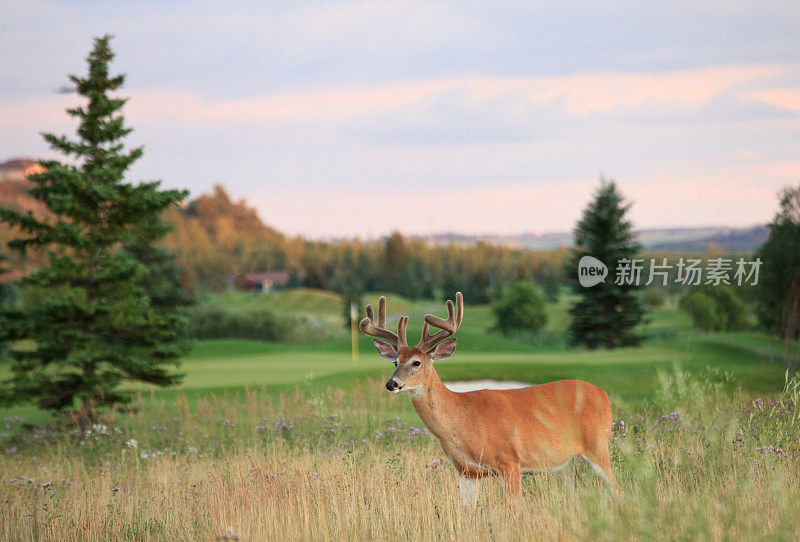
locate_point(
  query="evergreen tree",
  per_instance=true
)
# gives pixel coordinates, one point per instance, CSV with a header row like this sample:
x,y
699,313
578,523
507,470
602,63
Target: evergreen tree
x,y
6,291
452,282
6,297
111,305
779,276
396,267
478,286
607,313
348,283
551,284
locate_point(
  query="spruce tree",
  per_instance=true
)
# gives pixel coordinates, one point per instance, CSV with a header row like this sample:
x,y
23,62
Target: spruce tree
x,y
779,280
606,314
6,291
6,297
551,284
109,303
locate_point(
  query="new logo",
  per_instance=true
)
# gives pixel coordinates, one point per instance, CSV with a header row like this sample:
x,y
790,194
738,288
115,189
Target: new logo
x,y
591,271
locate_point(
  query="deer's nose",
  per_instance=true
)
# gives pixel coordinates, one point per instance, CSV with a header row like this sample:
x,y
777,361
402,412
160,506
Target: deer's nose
x,y
391,384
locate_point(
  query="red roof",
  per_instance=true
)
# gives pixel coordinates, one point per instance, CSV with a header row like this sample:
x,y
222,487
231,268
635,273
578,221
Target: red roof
x,y
275,277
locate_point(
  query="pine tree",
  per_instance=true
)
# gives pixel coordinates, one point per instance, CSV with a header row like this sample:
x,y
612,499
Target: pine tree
x,y
551,284
110,310
478,287
779,280
397,267
607,313
6,290
6,296
347,282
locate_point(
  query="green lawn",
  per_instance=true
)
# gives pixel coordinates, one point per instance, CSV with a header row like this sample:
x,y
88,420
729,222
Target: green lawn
x,y
319,304
629,375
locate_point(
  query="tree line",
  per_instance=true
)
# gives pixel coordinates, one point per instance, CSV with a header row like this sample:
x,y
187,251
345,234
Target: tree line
x,y
217,239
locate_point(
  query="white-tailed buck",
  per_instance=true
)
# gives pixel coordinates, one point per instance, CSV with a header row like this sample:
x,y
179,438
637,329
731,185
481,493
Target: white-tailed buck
x,y
494,432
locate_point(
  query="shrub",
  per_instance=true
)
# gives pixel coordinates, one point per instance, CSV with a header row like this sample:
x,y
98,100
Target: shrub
x,y
262,325
715,308
653,298
704,311
522,308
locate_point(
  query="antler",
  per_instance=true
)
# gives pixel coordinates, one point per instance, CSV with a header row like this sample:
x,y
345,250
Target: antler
x,y
369,327
447,327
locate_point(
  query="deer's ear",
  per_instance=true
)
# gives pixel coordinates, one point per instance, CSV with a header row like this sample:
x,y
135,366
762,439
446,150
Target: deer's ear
x,y
386,350
444,349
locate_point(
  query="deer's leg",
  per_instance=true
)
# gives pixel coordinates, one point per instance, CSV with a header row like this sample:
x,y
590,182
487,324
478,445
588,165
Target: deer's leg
x,y
469,489
561,474
511,477
600,461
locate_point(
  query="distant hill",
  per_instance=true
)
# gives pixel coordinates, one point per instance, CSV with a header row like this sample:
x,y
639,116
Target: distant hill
x,y
14,194
14,186
661,239
698,239
18,169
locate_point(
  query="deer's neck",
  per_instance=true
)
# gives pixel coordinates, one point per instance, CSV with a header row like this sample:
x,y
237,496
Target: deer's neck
x,y
435,405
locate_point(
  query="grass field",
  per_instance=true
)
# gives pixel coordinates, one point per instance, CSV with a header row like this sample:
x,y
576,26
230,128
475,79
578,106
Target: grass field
x,y
331,466
628,375
278,441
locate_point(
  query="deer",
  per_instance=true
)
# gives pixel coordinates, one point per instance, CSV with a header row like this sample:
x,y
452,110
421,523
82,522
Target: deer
x,y
485,433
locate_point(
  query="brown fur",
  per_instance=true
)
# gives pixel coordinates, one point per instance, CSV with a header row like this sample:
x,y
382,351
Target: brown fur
x,y
501,432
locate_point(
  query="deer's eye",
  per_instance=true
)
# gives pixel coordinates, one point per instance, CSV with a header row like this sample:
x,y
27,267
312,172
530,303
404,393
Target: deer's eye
x,y
417,363
395,363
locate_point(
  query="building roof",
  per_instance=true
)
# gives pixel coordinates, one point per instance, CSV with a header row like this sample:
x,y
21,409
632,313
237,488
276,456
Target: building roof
x,y
280,276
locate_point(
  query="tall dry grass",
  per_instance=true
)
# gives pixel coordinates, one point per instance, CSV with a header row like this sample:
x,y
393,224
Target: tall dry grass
x,y
694,465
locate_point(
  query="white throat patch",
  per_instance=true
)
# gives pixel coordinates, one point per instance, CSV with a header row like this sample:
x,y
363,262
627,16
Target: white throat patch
x,y
413,391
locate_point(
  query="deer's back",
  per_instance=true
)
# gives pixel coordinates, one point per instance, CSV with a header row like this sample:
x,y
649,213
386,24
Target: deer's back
x,y
542,425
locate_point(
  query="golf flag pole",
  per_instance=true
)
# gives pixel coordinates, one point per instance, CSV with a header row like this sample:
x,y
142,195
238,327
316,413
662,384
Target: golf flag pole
x,y
354,331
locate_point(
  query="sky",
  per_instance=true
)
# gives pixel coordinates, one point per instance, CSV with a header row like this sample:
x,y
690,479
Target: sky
x,y
359,118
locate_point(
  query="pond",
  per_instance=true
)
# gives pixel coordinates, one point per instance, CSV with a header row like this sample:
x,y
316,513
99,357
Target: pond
x,y
472,385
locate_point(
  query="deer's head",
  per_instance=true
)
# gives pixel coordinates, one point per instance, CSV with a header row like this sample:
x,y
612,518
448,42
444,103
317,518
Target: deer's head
x,y
414,365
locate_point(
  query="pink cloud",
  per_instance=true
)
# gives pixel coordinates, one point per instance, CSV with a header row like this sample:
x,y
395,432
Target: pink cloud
x,y
505,208
734,187
579,94
786,98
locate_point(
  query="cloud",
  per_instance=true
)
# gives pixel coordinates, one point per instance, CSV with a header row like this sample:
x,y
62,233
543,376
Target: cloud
x,y
509,208
786,98
582,94
447,108
479,153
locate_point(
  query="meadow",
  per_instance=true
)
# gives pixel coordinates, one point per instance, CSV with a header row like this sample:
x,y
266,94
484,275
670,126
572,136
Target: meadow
x,y
279,441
